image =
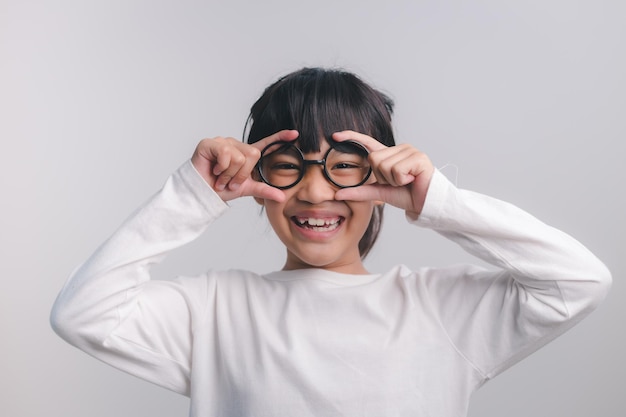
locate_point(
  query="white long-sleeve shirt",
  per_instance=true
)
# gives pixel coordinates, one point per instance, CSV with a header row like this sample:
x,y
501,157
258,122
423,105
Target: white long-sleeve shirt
x,y
318,343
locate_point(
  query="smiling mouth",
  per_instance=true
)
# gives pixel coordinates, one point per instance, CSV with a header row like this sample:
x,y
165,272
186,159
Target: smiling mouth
x,y
318,225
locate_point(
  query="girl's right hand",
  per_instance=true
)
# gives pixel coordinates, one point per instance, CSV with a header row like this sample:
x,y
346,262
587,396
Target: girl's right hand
x,y
226,164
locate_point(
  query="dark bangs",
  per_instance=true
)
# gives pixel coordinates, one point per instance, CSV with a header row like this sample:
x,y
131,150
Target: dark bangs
x,y
319,102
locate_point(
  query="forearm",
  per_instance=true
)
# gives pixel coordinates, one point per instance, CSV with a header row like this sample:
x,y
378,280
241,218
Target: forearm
x,y
509,238
99,293
546,281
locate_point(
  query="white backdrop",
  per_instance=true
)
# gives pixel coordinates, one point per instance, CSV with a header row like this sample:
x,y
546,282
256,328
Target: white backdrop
x,y
100,101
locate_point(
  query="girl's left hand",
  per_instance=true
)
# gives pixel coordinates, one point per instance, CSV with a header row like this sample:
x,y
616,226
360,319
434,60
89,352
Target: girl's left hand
x,y
402,173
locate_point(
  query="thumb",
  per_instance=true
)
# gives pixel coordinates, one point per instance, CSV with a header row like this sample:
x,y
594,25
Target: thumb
x,y
261,190
363,193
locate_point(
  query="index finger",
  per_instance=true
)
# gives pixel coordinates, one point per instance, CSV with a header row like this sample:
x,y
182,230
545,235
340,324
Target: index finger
x,y
283,135
369,142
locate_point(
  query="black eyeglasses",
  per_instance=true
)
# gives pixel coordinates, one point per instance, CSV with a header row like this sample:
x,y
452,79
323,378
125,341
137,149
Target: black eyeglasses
x,y
345,164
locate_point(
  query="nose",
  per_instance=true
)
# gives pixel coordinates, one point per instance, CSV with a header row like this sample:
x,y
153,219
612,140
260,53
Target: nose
x,y
314,188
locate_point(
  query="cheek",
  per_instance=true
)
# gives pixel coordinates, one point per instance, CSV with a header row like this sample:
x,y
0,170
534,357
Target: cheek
x,y
271,209
363,214
274,213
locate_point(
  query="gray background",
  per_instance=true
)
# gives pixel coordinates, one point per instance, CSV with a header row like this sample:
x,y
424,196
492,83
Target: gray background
x,y
100,101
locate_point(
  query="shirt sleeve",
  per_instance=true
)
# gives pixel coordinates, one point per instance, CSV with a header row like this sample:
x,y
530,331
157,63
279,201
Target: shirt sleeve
x,y
111,309
545,281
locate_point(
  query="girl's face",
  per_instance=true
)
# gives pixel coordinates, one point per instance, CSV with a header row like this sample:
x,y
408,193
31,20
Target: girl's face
x,y
317,230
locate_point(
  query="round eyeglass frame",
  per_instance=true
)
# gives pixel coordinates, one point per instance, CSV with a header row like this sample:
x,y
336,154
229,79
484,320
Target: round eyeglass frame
x,y
307,162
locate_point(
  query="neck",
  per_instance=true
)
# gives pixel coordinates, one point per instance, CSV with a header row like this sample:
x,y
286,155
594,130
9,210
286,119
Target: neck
x,y
352,268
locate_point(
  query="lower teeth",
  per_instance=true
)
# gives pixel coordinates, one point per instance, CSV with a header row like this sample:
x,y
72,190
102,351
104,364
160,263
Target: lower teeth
x,y
323,228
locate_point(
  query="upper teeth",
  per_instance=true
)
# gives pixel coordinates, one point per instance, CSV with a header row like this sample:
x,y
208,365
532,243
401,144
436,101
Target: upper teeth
x,y
316,222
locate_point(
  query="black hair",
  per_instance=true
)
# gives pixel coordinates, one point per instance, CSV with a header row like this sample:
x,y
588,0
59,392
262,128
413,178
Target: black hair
x,y
319,102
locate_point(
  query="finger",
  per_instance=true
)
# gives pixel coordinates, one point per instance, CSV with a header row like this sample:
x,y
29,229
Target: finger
x,y
252,155
222,162
283,135
236,159
396,165
202,160
369,142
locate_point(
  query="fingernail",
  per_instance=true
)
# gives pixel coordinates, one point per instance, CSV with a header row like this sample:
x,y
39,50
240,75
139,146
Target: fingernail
x,y
233,186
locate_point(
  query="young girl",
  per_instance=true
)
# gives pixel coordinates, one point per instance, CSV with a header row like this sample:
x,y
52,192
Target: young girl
x,y
324,336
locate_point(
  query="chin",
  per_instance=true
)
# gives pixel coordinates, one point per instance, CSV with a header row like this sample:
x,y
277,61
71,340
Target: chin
x,y
319,258
309,262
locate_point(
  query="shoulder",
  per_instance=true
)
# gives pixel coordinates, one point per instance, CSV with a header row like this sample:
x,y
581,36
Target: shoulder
x,y
219,278
442,282
432,275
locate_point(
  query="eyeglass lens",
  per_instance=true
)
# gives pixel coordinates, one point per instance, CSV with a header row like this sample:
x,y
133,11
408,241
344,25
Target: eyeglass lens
x,y
345,165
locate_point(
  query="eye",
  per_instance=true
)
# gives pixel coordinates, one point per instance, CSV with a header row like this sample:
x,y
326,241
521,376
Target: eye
x,y
346,165
282,162
284,166
345,161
